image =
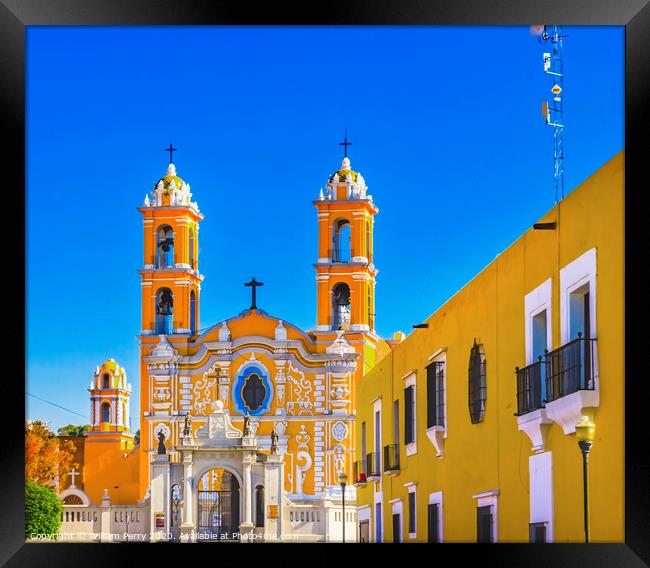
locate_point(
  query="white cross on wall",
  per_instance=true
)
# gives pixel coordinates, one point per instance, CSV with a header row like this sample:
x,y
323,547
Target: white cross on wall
x,y
73,474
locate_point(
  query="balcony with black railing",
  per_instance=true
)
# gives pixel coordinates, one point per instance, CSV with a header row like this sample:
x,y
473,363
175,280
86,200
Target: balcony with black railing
x,y
529,387
373,466
570,368
557,388
359,473
391,458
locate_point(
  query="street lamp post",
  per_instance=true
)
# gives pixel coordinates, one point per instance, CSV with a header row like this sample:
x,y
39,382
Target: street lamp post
x,y
585,432
342,481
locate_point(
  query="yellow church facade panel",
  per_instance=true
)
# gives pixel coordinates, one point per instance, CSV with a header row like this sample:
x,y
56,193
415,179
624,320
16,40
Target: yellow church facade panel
x,y
480,441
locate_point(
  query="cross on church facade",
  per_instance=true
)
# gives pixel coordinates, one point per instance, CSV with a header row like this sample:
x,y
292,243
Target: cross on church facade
x,y
72,475
171,151
254,284
345,143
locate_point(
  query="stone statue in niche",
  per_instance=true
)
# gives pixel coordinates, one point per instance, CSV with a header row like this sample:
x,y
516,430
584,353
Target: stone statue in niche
x,y
274,441
248,431
187,430
161,443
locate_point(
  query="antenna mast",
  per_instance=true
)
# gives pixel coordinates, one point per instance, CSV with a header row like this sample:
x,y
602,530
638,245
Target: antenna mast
x,y
553,111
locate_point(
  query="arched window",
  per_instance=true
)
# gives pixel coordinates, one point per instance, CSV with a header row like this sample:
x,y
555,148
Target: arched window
x,y
371,311
105,412
477,384
73,500
164,311
164,246
340,305
191,245
341,244
192,312
106,381
259,506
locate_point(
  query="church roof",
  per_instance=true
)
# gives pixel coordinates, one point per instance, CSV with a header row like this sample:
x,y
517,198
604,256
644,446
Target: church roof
x,y
170,177
344,171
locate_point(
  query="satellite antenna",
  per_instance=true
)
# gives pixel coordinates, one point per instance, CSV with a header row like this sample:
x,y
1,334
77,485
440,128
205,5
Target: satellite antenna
x,y
553,112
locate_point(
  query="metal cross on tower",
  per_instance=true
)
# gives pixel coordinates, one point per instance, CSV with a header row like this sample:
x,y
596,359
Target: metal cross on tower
x,y
553,112
345,143
171,150
254,284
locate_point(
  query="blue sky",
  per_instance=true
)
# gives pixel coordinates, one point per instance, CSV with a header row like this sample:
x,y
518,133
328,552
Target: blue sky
x,y
446,128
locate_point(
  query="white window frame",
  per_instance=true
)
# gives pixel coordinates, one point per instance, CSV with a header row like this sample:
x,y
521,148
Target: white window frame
x,y
412,488
490,498
541,491
436,498
410,380
364,513
580,271
378,499
397,509
376,407
536,301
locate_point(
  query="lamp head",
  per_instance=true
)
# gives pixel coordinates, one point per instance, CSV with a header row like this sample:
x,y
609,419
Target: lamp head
x,y
343,478
585,430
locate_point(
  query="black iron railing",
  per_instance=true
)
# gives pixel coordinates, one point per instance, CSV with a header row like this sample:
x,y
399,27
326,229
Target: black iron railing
x,y
372,465
529,387
391,458
571,368
359,471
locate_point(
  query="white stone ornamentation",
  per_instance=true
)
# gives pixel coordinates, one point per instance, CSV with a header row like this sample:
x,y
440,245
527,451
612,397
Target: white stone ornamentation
x,y
339,431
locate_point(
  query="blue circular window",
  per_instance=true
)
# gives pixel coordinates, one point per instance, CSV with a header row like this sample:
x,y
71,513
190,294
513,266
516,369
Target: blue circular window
x,y
252,392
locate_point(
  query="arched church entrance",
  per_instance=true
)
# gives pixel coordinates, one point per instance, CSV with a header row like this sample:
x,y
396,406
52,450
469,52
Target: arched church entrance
x,y
218,506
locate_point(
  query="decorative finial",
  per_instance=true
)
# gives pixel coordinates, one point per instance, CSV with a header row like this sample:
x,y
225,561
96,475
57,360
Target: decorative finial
x,y
345,164
171,170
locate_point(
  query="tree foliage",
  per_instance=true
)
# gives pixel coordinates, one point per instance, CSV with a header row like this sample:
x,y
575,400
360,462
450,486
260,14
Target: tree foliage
x,y
73,430
47,458
43,510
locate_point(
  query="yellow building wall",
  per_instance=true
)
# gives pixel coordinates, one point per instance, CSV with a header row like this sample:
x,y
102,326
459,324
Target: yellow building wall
x,y
494,454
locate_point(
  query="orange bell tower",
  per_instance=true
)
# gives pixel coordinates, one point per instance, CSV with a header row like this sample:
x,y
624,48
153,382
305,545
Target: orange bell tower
x,y
171,286
171,282
345,272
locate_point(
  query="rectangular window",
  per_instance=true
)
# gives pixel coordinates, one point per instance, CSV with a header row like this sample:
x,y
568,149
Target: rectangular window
x,y
537,532
409,414
412,513
484,524
579,317
396,421
434,523
539,335
397,537
363,442
378,529
435,394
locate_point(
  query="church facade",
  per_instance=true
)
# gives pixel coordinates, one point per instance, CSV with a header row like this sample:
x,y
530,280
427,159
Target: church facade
x,y
246,427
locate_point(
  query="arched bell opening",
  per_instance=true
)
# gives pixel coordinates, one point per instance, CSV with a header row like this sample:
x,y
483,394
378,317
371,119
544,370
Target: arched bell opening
x,y
164,311
164,246
341,244
340,306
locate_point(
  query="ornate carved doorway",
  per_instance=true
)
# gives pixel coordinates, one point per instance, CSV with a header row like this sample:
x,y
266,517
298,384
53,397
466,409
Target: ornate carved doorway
x,y
218,506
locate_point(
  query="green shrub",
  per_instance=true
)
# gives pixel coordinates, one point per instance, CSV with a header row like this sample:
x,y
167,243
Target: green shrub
x,y
43,510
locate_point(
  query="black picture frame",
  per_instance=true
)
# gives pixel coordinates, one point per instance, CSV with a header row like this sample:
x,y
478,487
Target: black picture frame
x,y
15,15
